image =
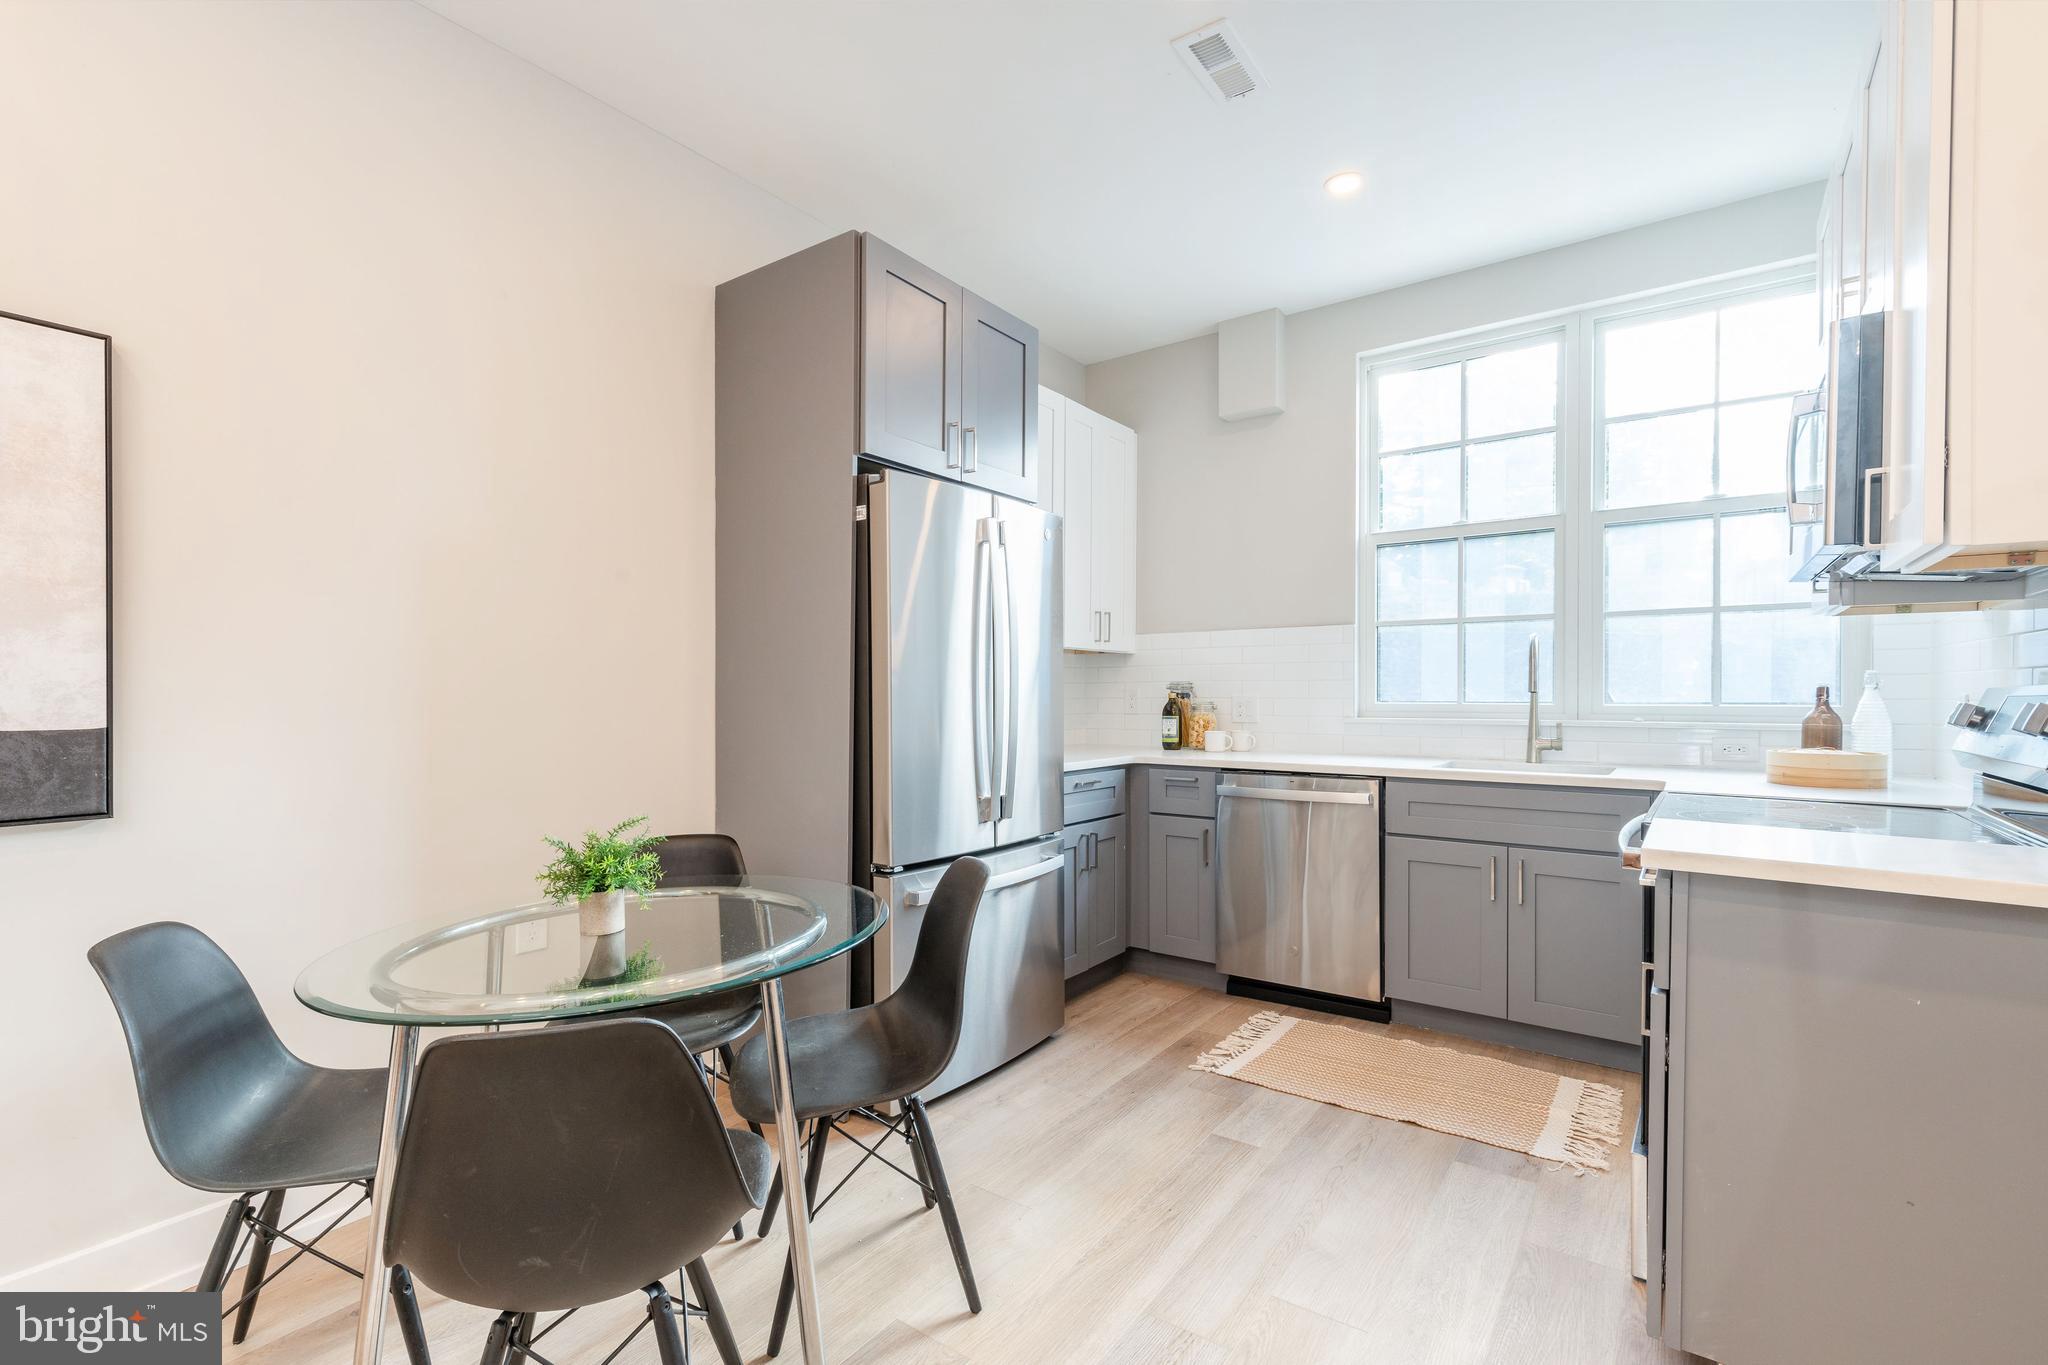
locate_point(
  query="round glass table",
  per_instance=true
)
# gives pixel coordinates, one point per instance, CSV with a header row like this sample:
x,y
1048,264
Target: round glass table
x,y
531,964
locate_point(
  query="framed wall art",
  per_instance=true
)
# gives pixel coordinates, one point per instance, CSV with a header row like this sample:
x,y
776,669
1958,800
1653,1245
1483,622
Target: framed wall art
x,y
56,560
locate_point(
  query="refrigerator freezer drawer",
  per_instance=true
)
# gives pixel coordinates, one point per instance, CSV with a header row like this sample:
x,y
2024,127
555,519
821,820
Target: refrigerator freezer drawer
x,y
1016,992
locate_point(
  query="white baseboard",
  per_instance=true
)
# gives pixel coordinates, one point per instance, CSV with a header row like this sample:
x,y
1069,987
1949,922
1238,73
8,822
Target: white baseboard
x,y
163,1255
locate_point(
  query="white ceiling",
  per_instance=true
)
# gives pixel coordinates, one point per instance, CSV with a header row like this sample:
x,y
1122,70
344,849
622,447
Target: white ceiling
x,y
1059,159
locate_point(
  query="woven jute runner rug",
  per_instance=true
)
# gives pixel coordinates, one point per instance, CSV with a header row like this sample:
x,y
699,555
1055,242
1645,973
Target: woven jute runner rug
x,y
1521,1108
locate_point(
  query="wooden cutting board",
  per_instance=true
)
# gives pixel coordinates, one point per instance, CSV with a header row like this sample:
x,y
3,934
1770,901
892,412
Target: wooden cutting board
x,y
1841,768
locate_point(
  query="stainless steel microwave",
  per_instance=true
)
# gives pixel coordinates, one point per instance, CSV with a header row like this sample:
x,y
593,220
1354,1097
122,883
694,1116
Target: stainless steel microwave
x,y
1834,454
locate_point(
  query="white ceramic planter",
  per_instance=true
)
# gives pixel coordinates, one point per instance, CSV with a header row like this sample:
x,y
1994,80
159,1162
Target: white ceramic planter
x,y
604,913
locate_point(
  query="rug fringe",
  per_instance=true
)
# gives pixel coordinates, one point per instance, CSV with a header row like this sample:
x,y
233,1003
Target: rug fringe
x,y
1596,1127
1247,1037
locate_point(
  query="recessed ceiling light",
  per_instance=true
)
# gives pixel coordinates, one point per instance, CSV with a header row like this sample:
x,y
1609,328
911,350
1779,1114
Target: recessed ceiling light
x,y
1344,184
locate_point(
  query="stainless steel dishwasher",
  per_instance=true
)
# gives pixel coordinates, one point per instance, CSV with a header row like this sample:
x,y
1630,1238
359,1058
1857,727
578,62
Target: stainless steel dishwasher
x,y
1298,906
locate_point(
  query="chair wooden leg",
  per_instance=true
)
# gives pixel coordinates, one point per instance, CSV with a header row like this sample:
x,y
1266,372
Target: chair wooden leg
x,y
214,1277
814,1174
714,1312
259,1261
670,1342
498,1345
410,1325
923,1120
920,1165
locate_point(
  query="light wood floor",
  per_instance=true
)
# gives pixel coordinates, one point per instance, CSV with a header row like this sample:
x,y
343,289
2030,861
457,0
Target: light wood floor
x,y
1122,1208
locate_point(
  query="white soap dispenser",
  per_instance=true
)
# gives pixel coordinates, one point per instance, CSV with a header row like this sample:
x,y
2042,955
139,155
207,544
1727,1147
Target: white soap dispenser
x,y
1870,731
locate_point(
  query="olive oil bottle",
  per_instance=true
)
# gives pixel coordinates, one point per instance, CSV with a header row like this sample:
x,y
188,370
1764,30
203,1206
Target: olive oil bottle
x,y
1169,723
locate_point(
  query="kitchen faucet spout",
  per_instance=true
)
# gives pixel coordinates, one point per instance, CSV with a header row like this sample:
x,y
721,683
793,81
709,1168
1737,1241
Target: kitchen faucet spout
x,y
1537,743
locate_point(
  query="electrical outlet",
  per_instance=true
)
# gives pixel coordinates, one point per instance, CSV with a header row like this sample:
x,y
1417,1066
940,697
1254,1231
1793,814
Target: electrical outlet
x,y
1139,702
530,937
1243,711
1734,749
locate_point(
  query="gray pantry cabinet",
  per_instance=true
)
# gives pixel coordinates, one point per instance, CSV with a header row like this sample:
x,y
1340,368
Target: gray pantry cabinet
x,y
1508,902
949,381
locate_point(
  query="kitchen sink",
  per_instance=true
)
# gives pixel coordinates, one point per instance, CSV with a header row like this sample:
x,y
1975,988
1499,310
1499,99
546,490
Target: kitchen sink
x,y
1516,765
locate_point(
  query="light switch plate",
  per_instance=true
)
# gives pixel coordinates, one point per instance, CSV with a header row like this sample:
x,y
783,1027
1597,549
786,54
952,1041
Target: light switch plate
x,y
530,937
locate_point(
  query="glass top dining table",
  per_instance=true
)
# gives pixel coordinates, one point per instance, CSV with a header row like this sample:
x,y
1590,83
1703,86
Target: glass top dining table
x,y
531,964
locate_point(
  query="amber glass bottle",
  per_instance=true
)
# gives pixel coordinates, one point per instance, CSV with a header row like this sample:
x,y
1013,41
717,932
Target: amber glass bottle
x,y
1822,728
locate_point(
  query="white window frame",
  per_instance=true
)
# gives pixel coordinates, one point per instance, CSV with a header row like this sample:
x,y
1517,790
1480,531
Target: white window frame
x,y
1578,679
1370,540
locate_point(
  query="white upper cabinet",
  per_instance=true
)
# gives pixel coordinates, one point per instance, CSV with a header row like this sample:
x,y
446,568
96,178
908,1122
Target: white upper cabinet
x,y
1935,222
1091,481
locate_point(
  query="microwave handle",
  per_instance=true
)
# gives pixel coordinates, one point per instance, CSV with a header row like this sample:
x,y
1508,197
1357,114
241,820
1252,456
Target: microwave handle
x,y
1872,538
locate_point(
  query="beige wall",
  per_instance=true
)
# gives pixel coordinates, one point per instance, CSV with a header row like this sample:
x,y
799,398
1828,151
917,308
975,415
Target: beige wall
x,y
1062,374
1251,523
413,529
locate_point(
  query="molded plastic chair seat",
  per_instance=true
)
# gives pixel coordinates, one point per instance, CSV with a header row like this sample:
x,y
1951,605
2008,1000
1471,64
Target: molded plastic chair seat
x,y
318,1128
837,1063
707,1023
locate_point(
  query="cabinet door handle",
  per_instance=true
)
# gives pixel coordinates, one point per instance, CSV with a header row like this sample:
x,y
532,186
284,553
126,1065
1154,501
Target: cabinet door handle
x,y
1205,848
1492,878
1094,847
1519,898
1108,626
1097,635
970,449
947,447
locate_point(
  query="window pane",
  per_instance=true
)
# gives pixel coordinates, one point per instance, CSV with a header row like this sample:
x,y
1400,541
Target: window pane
x,y
1776,656
1417,582
1511,391
1419,490
1659,459
1753,446
1769,346
1755,566
1510,575
1417,408
1418,663
1497,660
1654,564
1651,366
1513,478
1660,660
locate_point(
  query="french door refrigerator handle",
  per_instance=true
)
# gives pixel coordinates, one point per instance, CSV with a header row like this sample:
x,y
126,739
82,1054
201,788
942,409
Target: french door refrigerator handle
x,y
1008,786
979,682
1025,874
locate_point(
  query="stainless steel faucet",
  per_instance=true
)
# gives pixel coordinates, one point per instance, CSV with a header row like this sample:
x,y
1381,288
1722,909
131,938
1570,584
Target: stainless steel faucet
x,y
1538,743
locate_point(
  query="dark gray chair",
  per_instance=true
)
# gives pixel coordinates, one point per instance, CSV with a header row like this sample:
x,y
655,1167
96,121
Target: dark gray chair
x,y
710,1023
517,1186
227,1106
853,1062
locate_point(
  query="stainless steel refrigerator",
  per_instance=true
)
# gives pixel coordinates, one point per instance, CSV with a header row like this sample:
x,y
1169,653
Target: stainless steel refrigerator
x,y
958,740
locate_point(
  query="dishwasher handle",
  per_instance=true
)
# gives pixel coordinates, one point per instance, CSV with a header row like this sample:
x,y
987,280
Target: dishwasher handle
x,y
1315,798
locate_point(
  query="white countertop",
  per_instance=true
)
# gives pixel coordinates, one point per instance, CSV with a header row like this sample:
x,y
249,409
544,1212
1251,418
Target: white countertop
x,y
2002,874
1907,791
2007,874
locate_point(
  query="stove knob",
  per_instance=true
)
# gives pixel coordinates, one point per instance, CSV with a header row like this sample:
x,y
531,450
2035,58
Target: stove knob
x,y
2032,719
1969,716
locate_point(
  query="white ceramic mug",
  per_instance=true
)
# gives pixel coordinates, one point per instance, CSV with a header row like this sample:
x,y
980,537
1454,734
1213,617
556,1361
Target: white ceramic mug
x,y
1217,742
1243,739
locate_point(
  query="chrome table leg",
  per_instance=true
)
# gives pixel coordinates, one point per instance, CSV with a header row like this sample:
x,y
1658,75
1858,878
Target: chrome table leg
x,y
405,1056
789,1152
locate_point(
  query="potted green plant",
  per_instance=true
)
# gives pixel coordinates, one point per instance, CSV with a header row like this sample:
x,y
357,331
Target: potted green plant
x,y
597,874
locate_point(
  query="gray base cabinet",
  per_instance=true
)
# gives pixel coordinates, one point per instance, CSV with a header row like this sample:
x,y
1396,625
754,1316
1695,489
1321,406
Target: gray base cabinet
x,y
1094,908
1575,936
1505,929
1446,938
1181,886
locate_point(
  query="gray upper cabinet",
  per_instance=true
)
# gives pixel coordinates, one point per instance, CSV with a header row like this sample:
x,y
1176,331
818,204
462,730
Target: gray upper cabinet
x,y
999,401
949,381
1575,933
1181,886
1446,935
911,322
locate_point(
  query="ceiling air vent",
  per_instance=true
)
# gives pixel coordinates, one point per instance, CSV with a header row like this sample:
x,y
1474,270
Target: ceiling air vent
x,y
1216,56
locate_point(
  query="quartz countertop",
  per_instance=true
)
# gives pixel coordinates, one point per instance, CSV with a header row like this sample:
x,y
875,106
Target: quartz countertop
x,y
2007,874
1906,791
